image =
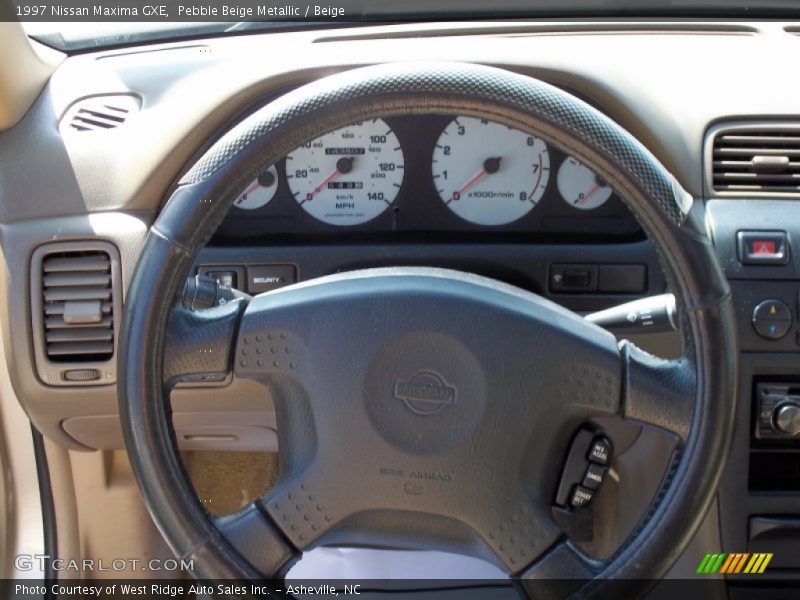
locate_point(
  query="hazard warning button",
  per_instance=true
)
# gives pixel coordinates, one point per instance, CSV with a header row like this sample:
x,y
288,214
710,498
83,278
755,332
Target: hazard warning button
x,y
763,247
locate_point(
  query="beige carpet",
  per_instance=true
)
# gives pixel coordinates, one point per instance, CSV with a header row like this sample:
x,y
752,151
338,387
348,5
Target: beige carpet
x,y
227,481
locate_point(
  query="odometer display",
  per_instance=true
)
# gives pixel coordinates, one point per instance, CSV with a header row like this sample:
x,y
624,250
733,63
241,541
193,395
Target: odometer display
x,y
487,173
348,176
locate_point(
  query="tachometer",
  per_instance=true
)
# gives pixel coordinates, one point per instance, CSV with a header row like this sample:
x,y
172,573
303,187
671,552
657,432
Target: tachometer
x,y
487,173
348,176
260,192
580,186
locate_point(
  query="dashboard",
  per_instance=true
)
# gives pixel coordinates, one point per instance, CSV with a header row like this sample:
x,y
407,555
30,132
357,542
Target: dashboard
x,y
458,175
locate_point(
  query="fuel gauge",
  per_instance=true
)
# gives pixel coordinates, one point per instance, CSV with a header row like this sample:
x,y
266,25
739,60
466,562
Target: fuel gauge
x,y
260,192
580,187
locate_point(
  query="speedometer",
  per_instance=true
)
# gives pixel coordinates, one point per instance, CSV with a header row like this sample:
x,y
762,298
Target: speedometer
x,y
348,176
487,173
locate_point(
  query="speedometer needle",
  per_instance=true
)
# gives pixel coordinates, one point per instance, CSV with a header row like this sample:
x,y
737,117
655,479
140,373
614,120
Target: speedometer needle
x,y
490,165
343,165
324,182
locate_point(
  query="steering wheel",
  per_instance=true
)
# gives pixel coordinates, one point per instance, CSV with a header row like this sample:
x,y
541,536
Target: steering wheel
x,y
508,376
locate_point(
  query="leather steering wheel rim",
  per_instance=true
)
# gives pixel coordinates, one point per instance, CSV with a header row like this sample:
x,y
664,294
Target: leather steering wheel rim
x,y
697,408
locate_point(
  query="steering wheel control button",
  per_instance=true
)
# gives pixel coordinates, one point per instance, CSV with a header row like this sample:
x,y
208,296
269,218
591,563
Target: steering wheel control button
x,y
600,452
580,497
265,278
772,319
595,475
585,468
763,247
573,278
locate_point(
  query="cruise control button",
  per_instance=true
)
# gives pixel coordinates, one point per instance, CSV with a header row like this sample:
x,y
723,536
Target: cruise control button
x,y
772,319
580,497
600,452
594,477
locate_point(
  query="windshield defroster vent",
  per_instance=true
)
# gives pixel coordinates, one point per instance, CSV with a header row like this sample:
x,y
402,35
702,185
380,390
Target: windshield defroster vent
x,y
76,286
756,160
100,113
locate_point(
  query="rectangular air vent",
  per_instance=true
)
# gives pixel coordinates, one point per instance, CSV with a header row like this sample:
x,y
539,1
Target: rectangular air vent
x,y
77,308
756,160
78,312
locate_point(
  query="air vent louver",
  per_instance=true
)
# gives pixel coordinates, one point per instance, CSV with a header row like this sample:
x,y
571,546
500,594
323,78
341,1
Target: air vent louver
x,y
763,160
77,301
99,113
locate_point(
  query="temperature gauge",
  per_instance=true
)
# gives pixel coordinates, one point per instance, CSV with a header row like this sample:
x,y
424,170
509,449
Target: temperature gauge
x,y
260,192
580,187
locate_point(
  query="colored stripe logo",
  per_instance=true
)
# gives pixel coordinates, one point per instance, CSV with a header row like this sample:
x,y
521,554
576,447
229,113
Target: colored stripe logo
x,y
734,563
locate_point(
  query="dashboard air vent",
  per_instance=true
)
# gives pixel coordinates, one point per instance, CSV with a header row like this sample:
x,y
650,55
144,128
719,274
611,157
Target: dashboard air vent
x,y
78,312
99,113
762,160
75,299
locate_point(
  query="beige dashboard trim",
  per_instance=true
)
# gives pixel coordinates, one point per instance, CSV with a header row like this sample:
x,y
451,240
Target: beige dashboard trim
x,y
25,68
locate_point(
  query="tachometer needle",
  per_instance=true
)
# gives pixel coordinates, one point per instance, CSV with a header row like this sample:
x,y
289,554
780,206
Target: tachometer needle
x,y
490,165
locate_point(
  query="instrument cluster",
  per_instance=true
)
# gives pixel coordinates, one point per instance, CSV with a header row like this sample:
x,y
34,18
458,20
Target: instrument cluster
x,y
427,173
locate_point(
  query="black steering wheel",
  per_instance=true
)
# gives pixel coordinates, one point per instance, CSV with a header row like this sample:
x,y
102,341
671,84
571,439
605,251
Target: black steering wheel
x,y
508,376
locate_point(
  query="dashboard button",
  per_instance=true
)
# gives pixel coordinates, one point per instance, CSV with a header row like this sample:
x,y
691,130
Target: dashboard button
x,y
264,278
621,279
573,278
772,319
763,247
787,418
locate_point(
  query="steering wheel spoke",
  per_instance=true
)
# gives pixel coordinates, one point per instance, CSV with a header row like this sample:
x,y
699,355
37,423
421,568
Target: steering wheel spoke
x,y
657,392
198,343
253,534
558,573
